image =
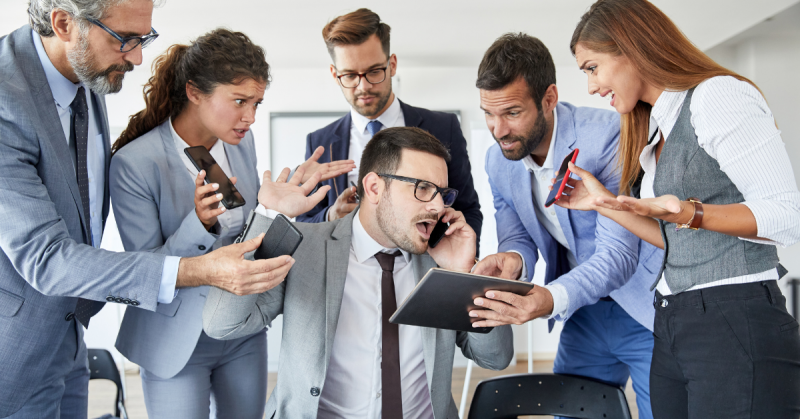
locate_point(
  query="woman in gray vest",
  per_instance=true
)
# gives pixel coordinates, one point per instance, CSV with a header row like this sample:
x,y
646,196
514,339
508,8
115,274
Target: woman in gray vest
x,y
205,93
710,182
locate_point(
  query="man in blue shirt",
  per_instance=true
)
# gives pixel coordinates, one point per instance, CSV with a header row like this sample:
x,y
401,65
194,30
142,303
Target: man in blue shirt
x,y
593,281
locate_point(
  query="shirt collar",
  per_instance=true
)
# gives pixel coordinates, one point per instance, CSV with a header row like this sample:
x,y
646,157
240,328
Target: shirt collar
x,y
63,90
388,118
666,110
365,247
530,165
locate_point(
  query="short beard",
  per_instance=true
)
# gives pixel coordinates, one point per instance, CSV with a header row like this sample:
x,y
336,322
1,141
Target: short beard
x,y
529,142
98,81
373,110
389,226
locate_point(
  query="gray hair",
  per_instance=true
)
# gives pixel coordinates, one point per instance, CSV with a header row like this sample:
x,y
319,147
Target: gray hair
x,y
39,12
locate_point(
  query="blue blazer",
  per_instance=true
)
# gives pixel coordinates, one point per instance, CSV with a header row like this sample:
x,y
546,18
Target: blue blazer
x,y
153,202
45,262
611,260
444,126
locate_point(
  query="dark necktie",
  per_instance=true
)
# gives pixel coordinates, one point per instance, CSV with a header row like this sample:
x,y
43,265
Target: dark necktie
x,y
373,127
391,394
78,142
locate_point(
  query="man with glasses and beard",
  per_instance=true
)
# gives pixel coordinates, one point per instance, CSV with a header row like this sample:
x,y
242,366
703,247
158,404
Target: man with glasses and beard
x,y
593,282
54,160
340,355
363,67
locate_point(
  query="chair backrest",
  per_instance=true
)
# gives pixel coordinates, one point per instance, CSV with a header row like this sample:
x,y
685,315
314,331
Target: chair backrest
x,y
102,366
548,394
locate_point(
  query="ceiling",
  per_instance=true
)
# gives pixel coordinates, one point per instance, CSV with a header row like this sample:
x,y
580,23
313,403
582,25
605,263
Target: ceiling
x,y
425,33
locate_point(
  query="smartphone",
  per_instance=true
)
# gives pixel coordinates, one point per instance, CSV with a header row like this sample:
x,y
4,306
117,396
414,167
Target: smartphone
x,y
353,184
282,239
561,179
437,233
202,160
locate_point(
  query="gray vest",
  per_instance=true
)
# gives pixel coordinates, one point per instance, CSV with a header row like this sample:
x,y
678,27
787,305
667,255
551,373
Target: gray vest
x,y
698,257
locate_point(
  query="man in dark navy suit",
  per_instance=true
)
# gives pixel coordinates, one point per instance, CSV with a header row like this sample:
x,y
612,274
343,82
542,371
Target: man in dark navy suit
x,y
363,67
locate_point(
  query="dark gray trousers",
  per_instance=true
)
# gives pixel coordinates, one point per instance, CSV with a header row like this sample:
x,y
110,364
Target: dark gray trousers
x,y
730,352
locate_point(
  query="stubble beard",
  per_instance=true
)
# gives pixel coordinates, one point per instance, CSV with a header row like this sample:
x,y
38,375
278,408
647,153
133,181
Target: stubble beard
x,y
378,106
528,142
83,64
390,227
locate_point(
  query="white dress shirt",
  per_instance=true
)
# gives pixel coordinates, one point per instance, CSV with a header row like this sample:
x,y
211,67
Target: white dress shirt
x,y
353,381
231,222
540,189
64,92
735,126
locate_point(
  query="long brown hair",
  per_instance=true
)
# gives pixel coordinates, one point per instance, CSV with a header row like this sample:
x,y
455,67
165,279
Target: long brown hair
x,y
218,57
661,54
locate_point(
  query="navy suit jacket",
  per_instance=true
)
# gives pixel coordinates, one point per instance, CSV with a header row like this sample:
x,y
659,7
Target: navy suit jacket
x,y
444,126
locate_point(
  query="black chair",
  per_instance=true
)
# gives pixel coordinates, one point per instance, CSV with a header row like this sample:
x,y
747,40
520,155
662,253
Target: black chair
x,y
548,394
102,366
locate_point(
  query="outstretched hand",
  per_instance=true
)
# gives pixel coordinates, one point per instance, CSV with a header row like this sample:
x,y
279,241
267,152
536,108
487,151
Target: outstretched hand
x,y
326,170
290,198
585,194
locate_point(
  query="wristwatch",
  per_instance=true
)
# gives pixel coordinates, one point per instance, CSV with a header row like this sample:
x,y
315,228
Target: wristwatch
x,y
697,217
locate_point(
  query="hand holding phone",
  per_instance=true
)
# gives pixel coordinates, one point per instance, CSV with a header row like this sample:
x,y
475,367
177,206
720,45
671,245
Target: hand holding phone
x,y
561,179
202,160
437,233
282,239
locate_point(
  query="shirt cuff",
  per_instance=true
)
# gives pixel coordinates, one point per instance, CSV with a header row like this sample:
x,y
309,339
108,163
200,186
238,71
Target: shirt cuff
x,y
260,209
560,301
169,278
523,276
327,212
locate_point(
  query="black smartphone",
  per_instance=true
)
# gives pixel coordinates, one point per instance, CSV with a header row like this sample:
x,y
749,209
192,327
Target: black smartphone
x,y
561,179
202,160
353,184
437,233
282,238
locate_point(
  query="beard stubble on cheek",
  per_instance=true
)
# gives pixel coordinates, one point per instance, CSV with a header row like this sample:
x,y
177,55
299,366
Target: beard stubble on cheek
x,y
378,105
84,64
396,231
528,142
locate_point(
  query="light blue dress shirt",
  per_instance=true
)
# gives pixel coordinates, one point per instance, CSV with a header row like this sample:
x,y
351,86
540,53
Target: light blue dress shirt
x,y
64,92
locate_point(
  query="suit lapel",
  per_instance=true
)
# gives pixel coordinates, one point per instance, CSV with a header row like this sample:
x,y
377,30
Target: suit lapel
x,y
49,130
337,252
421,265
236,160
565,143
523,201
102,116
339,149
411,117
184,182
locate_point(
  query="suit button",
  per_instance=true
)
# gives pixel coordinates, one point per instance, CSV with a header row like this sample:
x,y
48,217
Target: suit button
x,y
118,300
70,316
110,299
201,247
315,391
126,301
134,303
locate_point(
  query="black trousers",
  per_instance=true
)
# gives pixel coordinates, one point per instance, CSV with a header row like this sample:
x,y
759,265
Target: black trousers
x,y
727,352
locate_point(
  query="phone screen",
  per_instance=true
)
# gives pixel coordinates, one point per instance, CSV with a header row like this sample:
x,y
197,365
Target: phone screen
x,y
202,160
561,179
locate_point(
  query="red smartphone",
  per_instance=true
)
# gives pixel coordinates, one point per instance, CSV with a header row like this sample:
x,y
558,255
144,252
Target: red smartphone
x,y
561,179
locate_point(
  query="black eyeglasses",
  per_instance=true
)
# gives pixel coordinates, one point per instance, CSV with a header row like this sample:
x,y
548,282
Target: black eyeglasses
x,y
128,42
425,191
352,80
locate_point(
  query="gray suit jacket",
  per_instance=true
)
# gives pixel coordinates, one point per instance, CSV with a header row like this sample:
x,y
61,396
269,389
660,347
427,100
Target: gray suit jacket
x,y
153,197
310,300
45,264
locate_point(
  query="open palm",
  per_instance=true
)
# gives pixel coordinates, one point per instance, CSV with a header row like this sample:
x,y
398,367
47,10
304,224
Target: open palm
x,y
290,198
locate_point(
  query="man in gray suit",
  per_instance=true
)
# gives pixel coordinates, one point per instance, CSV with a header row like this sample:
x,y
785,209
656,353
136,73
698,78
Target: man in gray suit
x,y
54,156
340,357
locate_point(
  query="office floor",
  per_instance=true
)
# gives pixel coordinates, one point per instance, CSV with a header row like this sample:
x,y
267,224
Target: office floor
x,y
102,392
